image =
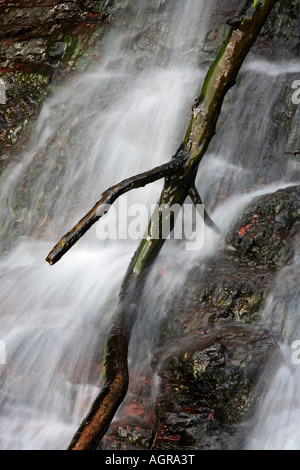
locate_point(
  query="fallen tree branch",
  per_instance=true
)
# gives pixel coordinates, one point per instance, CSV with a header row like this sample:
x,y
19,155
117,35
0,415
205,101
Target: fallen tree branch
x,y
108,198
178,185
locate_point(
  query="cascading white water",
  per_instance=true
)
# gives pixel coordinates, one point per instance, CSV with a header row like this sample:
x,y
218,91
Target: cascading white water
x,y
276,424
107,124
120,118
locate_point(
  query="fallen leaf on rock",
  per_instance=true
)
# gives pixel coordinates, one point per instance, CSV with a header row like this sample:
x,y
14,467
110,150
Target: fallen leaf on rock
x,y
244,229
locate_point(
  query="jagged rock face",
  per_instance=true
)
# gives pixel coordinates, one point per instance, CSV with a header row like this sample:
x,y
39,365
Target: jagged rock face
x,y
41,41
213,352
269,227
212,348
207,387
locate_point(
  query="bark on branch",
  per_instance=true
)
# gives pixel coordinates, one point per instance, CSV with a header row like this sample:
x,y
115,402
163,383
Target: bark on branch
x,y
97,422
179,183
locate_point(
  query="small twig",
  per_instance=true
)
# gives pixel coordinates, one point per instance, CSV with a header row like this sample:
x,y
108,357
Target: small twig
x,y
196,198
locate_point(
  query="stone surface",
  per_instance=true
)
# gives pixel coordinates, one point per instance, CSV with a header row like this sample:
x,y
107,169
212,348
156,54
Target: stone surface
x,y
213,353
207,387
266,233
41,42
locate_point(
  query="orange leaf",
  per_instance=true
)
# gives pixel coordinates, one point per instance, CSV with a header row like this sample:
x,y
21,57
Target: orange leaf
x,y
244,230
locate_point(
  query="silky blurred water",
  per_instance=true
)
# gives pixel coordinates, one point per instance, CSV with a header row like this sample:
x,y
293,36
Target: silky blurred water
x,y
124,116
276,422
115,120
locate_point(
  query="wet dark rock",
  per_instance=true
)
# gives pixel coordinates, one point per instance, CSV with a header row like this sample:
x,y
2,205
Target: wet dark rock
x,y
213,352
279,38
41,42
212,349
264,234
283,27
221,289
207,387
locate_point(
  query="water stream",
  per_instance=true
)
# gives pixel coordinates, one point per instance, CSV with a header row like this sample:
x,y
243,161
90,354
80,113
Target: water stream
x,y
121,117
276,423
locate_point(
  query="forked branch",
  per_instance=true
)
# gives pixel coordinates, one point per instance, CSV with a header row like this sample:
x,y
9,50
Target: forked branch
x,y
179,184
108,198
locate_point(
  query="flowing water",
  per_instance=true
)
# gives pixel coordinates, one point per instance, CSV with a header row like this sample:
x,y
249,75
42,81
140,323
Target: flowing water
x,y
276,424
123,116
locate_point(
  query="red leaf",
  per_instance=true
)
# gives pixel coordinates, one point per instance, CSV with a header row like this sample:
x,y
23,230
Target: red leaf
x,y
244,230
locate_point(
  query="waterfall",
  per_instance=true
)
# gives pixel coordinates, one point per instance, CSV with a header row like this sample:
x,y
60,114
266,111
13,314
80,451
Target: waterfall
x,y
276,422
121,117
